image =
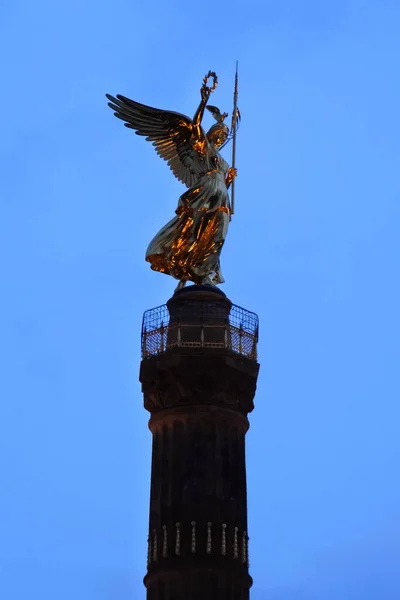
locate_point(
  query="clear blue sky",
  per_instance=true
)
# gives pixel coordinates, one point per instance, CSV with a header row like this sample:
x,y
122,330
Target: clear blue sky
x,y
313,249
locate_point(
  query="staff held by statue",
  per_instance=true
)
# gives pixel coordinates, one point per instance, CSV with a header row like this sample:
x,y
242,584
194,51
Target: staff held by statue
x,y
235,117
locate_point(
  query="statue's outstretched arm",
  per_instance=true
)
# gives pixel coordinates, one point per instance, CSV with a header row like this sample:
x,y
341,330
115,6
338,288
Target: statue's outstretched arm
x,y
198,115
205,92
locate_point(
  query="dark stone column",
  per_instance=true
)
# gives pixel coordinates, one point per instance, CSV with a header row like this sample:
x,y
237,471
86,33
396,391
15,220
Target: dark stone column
x,y
199,397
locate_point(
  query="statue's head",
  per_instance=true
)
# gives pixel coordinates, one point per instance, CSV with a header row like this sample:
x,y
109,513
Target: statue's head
x,y
218,134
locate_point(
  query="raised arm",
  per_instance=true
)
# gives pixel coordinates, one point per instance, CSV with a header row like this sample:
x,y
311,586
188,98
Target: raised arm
x,y
198,115
205,92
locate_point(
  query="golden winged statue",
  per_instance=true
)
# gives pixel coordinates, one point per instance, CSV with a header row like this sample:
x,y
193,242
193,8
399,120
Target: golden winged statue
x,y
189,246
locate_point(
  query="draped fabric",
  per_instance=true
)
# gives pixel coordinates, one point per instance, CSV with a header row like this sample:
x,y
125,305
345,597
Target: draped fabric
x,y
189,246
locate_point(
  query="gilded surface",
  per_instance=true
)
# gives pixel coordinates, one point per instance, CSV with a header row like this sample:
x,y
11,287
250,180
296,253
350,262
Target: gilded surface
x,y
188,247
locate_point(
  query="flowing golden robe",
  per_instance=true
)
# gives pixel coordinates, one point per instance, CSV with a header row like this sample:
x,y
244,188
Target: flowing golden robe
x,y
189,246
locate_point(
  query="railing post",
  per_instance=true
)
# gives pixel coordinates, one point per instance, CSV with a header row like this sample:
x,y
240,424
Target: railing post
x,y
162,348
144,342
254,347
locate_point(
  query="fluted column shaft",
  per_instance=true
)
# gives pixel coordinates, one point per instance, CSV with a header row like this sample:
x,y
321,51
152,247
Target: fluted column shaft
x,y
198,536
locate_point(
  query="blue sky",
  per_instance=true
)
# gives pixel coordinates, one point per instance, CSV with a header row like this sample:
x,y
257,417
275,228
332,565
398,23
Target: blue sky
x,y
313,249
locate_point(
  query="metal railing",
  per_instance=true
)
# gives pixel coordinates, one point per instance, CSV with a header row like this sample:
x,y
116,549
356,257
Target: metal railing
x,y
238,332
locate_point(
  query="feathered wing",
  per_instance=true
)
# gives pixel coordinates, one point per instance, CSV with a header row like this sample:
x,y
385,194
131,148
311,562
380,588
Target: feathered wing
x,y
170,133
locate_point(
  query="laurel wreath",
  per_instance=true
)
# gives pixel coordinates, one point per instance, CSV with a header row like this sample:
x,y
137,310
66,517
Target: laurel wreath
x,y
215,81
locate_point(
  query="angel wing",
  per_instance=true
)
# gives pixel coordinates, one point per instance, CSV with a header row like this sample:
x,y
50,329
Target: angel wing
x,y
170,133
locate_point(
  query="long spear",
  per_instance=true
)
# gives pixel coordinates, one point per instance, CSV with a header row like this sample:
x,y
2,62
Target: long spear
x,y
233,128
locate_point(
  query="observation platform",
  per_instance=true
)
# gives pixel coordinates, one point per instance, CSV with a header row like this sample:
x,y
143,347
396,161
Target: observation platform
x,y
213,322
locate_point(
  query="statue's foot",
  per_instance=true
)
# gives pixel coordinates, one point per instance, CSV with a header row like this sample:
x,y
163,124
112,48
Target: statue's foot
x,y
180,285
